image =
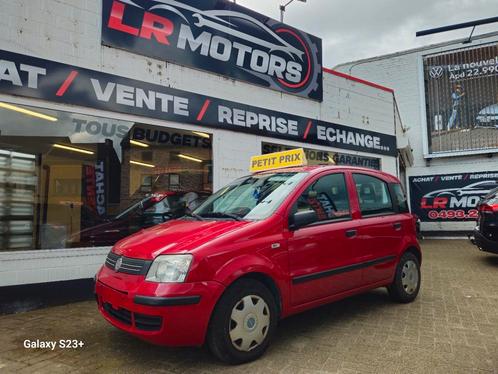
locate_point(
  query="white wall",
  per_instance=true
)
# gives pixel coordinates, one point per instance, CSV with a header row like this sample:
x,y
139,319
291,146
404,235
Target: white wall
x,y
68,31
404,73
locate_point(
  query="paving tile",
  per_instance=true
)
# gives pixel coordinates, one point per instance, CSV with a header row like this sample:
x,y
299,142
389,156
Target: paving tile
x,y
451,328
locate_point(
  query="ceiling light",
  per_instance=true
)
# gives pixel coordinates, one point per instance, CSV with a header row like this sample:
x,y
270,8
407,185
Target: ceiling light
x,y
28,112
201,134
73,149
140,144
142,164
189,158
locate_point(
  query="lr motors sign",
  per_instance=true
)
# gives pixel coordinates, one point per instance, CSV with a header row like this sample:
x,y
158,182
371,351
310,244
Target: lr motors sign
x,y
218,36
450,197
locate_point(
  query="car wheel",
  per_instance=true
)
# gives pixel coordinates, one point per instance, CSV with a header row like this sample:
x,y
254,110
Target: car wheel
x,y
407,279
243,322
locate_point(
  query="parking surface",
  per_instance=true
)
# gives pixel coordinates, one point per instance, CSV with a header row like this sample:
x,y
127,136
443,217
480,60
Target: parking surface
x,y
451,328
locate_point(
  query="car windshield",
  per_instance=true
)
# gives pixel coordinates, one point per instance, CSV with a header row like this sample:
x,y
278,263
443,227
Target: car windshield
x,y
252,198
139,206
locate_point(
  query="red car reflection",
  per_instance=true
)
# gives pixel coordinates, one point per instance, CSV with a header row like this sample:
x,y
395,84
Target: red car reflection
x,y
154,209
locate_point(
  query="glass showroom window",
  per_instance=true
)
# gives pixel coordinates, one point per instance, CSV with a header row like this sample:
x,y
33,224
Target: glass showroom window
x,y
71,180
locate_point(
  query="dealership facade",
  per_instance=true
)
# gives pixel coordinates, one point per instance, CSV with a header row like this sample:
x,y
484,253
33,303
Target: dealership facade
x,y
104,104
448,99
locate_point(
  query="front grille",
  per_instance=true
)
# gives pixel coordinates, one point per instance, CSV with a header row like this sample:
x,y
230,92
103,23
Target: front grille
x,y
142,321
129,265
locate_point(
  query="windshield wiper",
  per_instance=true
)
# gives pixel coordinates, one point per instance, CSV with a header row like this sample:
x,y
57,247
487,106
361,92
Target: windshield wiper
x,y
196,216
223,215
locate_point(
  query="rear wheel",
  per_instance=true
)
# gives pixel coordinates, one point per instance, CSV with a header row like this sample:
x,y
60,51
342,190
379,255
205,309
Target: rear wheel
x,y
243,322
406,284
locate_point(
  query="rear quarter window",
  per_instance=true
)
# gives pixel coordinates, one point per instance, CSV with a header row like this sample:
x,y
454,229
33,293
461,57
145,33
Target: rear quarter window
x,y
400,198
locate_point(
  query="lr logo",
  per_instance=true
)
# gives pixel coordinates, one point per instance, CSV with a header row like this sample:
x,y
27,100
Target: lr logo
x,y
436,72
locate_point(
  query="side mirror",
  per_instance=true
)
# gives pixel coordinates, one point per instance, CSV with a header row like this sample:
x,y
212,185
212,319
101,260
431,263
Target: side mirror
x,y
301,219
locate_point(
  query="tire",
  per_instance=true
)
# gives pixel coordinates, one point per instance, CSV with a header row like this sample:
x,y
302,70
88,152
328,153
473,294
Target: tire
x,y
251,304
407,279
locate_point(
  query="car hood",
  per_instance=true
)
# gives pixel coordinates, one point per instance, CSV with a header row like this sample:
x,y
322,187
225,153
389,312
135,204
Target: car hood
x,y
174,237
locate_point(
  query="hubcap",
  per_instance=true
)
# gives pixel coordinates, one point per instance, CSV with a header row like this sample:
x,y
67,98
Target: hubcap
x,y
249,323
409,277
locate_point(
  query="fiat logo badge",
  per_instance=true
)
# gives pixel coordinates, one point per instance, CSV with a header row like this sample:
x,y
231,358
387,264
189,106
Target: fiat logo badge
x,y
118,264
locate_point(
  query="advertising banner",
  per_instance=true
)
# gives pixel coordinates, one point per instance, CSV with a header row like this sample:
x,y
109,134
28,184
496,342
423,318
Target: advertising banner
x,y
450,197
42,79
462,99
218,36
88,193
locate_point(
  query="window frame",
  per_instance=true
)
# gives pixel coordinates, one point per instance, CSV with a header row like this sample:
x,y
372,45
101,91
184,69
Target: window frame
x,y
328,221
395,200
389,193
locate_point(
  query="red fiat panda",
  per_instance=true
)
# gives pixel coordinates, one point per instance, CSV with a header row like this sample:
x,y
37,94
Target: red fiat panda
x,y
266,246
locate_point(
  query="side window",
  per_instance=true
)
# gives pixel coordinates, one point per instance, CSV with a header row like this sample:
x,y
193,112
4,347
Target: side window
x,y
400,198
373,195
327,196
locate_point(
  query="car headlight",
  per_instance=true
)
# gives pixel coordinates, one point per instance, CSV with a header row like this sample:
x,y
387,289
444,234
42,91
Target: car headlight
x,y
169,268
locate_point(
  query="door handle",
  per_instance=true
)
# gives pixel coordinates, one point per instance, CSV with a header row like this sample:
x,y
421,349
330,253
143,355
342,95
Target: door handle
x,y
397,226
350,233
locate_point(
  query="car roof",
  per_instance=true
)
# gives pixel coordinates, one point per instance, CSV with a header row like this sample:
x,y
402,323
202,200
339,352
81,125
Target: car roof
x,y
316,169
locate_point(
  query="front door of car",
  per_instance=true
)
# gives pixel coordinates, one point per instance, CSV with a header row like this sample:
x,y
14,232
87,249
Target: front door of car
x,y
380,233
321,253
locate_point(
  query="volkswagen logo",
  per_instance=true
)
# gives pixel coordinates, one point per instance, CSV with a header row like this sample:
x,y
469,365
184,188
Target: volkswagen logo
x,y
118,264
436,72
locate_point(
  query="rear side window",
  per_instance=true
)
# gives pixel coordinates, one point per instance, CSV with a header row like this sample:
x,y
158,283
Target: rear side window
x,y
373,195
327,196
400,198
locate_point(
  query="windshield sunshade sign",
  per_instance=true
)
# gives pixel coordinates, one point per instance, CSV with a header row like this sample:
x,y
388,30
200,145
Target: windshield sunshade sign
x,y
450,197
220,37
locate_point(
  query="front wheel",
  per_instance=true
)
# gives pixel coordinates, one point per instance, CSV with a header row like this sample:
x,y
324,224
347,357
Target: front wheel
x,y
243,322
406,284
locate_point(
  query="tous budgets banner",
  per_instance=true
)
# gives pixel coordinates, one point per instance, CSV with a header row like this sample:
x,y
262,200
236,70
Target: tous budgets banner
x,y
218,36
450,197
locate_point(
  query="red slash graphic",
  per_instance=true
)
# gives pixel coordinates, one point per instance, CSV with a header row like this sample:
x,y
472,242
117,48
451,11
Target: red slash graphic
x,y
308,127
200,116
70,78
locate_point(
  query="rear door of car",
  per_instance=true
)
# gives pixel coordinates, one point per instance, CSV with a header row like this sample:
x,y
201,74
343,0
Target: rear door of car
x,y
380,232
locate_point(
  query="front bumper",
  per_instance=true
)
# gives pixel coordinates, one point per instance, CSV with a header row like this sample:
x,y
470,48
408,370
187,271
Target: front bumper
x,y
483,243
172,314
